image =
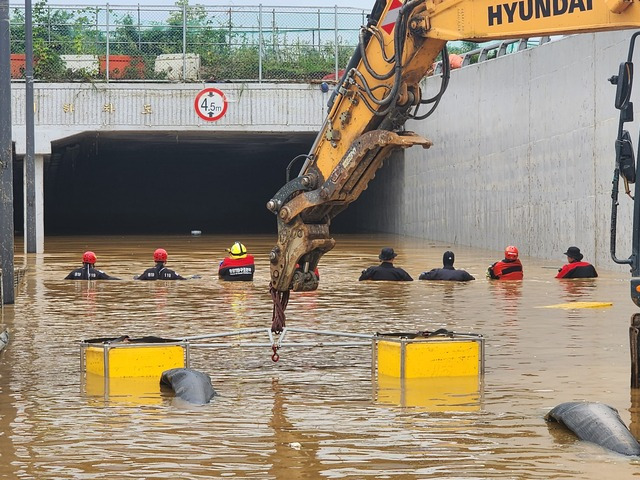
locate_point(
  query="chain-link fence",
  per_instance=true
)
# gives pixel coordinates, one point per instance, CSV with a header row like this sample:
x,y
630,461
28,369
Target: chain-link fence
x,y
184,43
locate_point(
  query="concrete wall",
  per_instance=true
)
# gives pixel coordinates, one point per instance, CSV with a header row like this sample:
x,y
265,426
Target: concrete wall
x,y
63,110
523,154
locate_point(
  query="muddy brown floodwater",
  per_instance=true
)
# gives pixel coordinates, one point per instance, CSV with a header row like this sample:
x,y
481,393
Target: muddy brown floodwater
x,y
317,413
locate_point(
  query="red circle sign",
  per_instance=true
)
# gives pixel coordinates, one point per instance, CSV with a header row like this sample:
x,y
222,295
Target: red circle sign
x,y
211,104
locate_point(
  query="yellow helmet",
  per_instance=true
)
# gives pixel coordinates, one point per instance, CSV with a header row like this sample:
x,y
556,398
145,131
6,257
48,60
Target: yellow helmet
x,y
237,250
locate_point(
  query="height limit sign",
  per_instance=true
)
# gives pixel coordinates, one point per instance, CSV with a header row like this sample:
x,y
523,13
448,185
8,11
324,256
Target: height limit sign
x,y
211,104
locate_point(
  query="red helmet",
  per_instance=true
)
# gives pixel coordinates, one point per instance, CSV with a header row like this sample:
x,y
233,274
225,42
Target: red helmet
x,y
511,253
89,257
160,255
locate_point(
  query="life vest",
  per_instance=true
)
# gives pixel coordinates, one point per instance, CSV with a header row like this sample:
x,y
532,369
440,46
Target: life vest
x,y
506,270
577,270
237,269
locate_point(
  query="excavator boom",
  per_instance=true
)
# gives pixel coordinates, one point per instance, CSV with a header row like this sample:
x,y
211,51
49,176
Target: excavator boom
x,y
380,91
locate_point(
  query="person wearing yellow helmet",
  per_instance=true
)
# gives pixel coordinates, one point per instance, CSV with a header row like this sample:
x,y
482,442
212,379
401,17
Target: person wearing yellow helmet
x,y
238,265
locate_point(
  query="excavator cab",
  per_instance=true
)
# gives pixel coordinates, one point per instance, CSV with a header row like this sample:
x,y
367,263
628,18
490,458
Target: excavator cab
x,y
627,167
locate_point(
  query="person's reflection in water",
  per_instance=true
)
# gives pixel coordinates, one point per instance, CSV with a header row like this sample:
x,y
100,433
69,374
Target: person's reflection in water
x,y
507,295
578,288
445,294
160,295
237,296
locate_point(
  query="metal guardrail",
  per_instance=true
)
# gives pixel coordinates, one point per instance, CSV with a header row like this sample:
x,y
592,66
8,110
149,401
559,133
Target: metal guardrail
x,y
494,50
18,275
184,42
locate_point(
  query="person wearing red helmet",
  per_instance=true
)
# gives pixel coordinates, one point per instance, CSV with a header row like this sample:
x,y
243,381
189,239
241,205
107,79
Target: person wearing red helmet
x,y
159,271
88,270
509,268
576,268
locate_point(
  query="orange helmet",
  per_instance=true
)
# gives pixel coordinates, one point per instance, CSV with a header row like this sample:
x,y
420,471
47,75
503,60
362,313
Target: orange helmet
x,y
160,255
511,253
89,257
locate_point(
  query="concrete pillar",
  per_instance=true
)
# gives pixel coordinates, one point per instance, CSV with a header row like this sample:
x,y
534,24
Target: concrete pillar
x,y
6,161
34,205
29,189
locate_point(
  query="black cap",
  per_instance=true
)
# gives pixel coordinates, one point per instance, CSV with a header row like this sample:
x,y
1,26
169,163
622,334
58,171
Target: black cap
x,y
387,253
574,252
448,258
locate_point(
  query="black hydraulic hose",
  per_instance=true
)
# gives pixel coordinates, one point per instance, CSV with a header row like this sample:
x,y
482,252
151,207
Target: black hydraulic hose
x,y
446,75
400,31
376,33
614,218
304,155
635,238
446,71
365,60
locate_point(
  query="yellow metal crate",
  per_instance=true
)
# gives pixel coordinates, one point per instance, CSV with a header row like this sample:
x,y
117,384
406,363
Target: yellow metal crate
x,y
435,394
124,359
125,390
416,356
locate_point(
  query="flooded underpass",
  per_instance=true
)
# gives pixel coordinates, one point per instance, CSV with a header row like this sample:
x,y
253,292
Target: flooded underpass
x,y
317,412
164,182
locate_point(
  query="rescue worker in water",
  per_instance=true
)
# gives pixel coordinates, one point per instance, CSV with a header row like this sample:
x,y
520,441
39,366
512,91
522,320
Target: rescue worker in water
x,y
88,270
576,268
447,272
386,270
509,268
238,266
159,271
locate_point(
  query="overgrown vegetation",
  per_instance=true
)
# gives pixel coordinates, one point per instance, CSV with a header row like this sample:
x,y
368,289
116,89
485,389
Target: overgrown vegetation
x,y
226,53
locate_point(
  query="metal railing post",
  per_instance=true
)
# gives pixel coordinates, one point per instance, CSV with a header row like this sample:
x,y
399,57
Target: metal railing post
x,y
335,28
184,42
139,30
319,28
106,59
260,43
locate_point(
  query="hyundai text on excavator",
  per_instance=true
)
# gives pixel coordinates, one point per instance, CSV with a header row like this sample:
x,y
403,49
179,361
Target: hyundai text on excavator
x,y
380,91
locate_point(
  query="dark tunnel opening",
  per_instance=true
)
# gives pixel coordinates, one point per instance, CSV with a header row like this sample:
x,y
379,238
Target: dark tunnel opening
x,y
165,182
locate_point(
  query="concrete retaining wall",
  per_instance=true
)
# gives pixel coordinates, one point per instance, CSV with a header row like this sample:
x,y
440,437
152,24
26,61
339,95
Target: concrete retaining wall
x,y
523,154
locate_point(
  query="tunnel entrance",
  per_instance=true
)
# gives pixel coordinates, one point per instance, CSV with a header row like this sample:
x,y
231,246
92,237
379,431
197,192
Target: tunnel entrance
x,y
167,182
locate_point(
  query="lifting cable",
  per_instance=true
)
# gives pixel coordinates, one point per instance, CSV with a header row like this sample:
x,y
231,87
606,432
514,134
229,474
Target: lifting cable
x,y
280,301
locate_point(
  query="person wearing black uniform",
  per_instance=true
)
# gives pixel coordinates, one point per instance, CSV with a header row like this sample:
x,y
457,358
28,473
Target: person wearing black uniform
x,y
159,272
447,272
88,270
386,270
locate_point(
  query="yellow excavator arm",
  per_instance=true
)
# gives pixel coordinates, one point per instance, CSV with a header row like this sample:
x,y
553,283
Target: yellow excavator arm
x,y
380,91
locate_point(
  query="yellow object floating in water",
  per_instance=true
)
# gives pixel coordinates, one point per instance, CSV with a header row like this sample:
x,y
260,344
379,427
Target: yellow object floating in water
x,y
572,305
435,356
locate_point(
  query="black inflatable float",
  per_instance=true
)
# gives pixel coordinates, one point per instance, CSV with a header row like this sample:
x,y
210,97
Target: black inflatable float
x,y
597,423
189,385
